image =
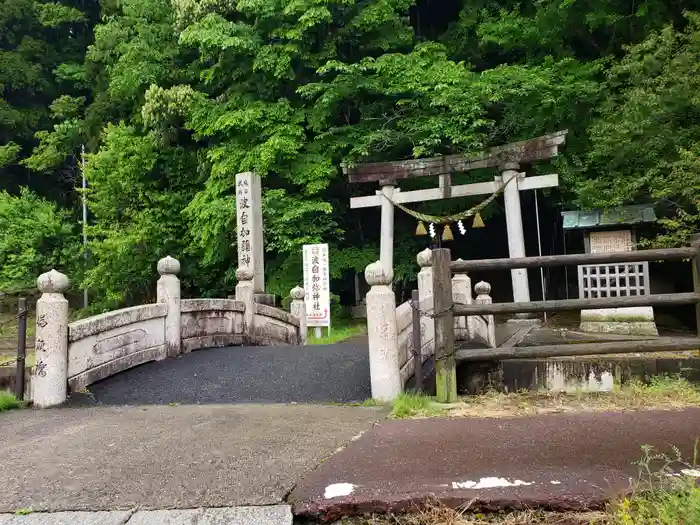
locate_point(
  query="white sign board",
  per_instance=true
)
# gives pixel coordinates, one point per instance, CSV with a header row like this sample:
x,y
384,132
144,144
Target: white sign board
x,y
317,285
611,241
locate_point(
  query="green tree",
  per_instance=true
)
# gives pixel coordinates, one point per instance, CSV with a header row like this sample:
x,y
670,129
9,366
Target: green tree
x,y
42,47
646,142
36,236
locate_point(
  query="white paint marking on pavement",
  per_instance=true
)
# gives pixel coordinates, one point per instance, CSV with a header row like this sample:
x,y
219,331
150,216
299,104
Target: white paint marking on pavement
x,y
554,482
693,472
488,483
338,489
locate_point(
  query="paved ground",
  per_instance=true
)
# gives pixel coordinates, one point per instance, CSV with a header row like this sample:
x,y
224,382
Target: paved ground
x,y
270,515
273,374
561,461
159,457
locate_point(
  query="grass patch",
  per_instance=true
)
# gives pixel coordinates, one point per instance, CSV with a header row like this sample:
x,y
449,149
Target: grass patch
x,y
661,392
8,401
434,514
410,404
679,505
341,332
666,493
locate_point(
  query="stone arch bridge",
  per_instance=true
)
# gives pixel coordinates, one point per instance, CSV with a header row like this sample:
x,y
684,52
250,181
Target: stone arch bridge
x,y
72,356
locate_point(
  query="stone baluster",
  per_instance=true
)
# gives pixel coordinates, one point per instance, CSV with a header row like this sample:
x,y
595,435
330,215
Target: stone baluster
x,y
462,294
244,292
425,300
50,375
298,309
168,292
483,289
383,340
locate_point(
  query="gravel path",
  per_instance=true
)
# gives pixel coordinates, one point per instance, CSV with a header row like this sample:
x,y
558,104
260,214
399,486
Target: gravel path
x,y
274,374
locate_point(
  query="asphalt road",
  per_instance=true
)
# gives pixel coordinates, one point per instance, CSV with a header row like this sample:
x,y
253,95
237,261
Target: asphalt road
x,y
161,457
557,461
272,374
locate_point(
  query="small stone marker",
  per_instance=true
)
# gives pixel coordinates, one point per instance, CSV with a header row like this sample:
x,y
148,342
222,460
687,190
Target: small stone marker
x,y
250,227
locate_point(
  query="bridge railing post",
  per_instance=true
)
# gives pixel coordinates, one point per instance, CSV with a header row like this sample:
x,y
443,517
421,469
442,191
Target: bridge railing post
x,y
168,292
244,293
445,364
483,289
50,375
298,309
425,299
462,294
384,370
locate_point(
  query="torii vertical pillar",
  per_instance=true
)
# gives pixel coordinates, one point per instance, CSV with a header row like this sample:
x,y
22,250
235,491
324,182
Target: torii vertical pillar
x,y
386,234
514,226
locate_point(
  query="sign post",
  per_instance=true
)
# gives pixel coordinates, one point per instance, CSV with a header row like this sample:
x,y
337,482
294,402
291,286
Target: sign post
x,y
317,284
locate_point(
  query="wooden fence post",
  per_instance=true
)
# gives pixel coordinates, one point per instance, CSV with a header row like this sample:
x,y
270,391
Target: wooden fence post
x,y
445,365
695,261
21,347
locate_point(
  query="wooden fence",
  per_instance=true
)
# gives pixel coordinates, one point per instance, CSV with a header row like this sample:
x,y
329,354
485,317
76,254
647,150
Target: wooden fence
x,y
446,356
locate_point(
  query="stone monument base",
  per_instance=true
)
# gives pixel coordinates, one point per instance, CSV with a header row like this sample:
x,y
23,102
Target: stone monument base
x,y
624,321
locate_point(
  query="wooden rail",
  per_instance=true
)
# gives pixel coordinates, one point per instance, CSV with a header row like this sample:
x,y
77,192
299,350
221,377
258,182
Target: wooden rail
x,y
445,309
663,344
667,299
666,254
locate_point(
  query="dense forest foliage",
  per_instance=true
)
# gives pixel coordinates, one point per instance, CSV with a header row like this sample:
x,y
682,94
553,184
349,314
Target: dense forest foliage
x,y
172,98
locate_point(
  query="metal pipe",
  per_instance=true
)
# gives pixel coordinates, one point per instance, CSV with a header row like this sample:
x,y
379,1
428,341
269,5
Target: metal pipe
x,y
85,240
539,251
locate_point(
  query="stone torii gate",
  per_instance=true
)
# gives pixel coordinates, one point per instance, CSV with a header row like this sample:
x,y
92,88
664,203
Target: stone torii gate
x,y
506,158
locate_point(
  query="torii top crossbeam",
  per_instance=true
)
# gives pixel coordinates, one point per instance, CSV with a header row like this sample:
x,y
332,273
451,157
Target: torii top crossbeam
x,y
539,148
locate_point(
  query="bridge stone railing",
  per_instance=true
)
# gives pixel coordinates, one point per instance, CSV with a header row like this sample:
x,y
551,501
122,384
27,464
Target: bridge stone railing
x,y
75,355
210,323
103,345
390,328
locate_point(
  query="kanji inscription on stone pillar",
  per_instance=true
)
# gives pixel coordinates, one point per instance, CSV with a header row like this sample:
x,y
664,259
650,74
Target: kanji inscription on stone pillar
x,y
250,227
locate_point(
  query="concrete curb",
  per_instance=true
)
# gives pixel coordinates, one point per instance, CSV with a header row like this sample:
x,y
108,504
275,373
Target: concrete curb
x,y
269,515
